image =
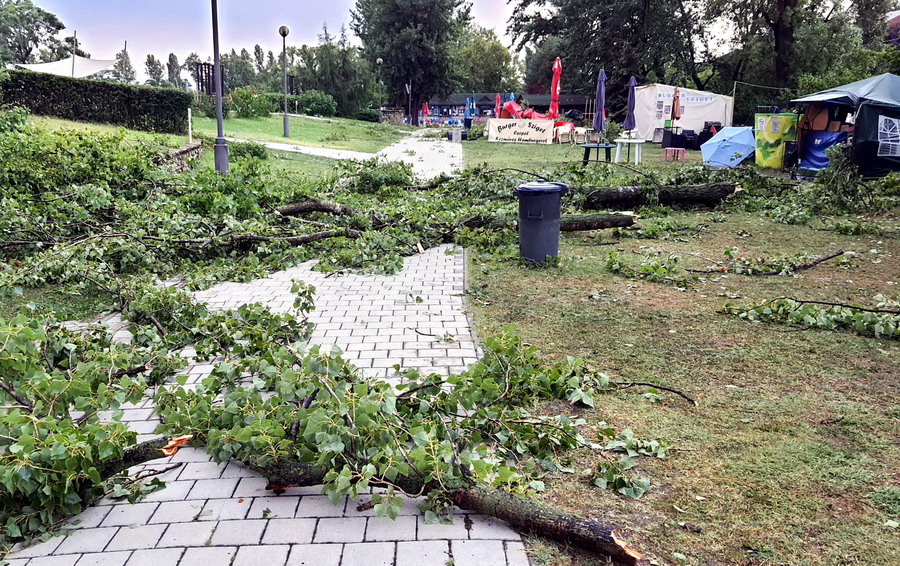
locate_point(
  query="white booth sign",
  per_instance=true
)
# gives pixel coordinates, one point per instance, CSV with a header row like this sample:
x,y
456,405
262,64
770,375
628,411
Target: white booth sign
x,y
520,131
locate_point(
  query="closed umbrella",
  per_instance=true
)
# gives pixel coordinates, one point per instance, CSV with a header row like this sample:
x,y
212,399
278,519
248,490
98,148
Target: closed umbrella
x,y
554,89
468,115
498,106
676,105
629,123
600,103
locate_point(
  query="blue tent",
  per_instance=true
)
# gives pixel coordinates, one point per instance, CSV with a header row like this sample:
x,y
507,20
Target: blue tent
x,y
729,147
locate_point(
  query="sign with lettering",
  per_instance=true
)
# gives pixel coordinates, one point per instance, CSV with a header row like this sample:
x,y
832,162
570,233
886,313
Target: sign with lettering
x,y
520,131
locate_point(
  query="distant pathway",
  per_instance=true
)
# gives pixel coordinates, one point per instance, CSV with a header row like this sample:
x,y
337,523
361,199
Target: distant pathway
x,y
340,154
429,157
213,514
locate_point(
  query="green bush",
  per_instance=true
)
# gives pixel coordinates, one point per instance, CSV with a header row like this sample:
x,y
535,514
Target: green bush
x,y
12,118
475,132
205,105
136,107
311,102
367,115
249,104
317,103
243,150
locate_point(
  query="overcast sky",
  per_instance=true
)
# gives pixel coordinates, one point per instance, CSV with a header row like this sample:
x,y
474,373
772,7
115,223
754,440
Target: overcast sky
x,y
183,26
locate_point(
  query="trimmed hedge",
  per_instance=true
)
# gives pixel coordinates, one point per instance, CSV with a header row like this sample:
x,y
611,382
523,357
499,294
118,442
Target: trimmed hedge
x,y
146,108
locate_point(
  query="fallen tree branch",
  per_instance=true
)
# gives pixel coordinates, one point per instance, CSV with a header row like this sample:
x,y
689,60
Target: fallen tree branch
x,y
677,195
527,514
809,265
314,205
568,223
18,398
141,453
840,305
435,183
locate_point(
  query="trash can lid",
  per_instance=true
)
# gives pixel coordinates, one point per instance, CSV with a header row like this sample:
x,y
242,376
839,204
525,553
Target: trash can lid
x,y
540,187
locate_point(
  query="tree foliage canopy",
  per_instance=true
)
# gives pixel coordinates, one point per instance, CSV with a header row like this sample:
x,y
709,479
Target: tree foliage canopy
x,y
24,28
414,39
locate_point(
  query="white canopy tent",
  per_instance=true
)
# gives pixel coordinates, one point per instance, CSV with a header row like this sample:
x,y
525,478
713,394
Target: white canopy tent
x,y
74,66
653,106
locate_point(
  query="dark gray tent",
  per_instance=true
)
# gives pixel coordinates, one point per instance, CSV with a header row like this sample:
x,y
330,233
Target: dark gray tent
x,y
876,131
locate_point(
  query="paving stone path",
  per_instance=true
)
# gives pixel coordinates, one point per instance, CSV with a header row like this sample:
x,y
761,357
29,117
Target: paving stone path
x,y
221,514
428,157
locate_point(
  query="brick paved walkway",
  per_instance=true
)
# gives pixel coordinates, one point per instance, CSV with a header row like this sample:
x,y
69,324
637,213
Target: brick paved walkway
x,y
428,157
220,514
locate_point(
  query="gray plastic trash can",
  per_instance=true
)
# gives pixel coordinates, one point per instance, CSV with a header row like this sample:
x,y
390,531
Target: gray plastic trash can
x,y
539,210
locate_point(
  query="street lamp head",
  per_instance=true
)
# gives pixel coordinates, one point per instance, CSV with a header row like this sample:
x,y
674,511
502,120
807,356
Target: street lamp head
x,y
379,61
283,31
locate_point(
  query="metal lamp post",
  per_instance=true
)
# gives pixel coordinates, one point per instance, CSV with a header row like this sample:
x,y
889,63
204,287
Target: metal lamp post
x,y
284,31
380,62
220,149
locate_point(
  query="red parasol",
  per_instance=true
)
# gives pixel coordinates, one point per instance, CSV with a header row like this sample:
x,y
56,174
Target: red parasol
x,y
426,111
554,89
498,106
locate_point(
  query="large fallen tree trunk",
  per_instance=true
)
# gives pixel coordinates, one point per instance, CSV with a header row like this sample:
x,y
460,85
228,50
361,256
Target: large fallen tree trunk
x,y
677,195
521,512
568,223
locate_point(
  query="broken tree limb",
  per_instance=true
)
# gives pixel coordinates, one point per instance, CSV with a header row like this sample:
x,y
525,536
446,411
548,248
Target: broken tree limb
x,y
141,453
568,223
435,183
313,205
527,514
808,265
676,195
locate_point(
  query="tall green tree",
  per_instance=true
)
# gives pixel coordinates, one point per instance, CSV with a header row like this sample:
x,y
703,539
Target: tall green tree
x,y
155,72
486,64
24,29
56,49
122,71
647,40
414,38
173,68
238,70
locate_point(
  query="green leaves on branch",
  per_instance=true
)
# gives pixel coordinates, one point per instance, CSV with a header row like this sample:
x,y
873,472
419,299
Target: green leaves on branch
x,y
654,266
431,434
865,322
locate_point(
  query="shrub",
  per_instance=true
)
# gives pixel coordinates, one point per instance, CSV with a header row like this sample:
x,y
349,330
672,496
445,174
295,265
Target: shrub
x,y
136,107
311,102
367,115
12,118
249,104
205,105
317,103
475,132
243,150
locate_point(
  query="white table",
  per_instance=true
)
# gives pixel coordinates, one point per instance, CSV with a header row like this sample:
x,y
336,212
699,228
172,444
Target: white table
x,y
622,142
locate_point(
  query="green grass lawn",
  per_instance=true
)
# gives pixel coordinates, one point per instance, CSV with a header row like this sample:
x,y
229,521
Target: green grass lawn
x,y
525,156
165,140
793,454
283,164
334,133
